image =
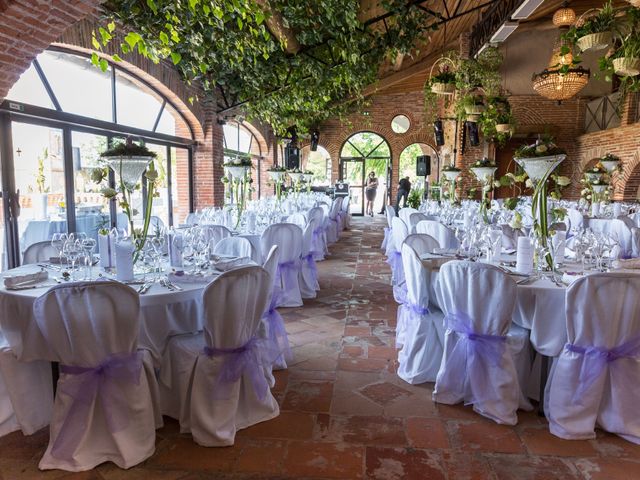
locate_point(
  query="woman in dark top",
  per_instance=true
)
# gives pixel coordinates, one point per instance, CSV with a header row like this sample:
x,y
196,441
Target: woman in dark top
x,y
370,192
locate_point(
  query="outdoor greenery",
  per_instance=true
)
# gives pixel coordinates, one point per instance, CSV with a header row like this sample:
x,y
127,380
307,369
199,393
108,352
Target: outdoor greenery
x,y
228,44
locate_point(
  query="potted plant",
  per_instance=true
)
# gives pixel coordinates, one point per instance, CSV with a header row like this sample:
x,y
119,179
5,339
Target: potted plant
x,y
444,83
276,173
296,175
497,121
626,60
451,173
40,195
610,162
236,165
596,173
595,32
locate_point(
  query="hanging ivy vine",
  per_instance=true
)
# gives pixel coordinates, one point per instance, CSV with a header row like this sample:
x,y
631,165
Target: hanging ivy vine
x,y
228,44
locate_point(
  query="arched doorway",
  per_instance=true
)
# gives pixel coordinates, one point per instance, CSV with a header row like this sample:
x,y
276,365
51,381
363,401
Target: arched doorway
x,y
362,153
407,164
318,162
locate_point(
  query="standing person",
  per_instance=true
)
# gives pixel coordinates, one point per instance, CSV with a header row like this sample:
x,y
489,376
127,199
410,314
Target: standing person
x,y
404,187
370,192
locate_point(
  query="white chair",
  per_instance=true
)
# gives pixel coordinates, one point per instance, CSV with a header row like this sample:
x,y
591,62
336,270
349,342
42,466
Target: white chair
x,y
234,247
333,225
345,214
288,237
419,328
214,382
39,252
215,233
297,219
510,237
443,234
318,239
156,225
26,393
414,218
480,343
272,322
576,219
405,214
399,232
595,379
421,243
308,277
191,219
106,405
618,230
390,213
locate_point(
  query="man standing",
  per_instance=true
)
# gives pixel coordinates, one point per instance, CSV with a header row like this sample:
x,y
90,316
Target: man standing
x,y
404,188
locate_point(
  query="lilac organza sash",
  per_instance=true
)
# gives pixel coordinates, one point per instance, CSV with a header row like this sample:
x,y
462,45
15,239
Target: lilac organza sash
x,y
397,270
288,271
249,360
387,236
474,354
277,334
596,360
85,385
407,312
312,268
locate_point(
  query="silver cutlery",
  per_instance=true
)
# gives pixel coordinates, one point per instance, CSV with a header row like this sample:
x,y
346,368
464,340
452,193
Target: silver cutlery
x,y
175,286
144,288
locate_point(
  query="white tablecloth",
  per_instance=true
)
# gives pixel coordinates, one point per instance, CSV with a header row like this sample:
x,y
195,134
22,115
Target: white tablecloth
x,y
163,313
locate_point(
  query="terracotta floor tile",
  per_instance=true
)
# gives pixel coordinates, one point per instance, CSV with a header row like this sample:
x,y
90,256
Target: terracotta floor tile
x,y
427,433
368,430
609,469
462,465
288,425
357,331
511,467
326,460
540,441
261,456
401,464
383,393
352,351
308,396
362,364
385,352
184,454
486,436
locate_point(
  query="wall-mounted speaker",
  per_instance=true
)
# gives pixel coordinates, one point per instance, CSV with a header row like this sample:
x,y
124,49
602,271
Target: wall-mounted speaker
x,y
423,165
292,157
438,130
472,130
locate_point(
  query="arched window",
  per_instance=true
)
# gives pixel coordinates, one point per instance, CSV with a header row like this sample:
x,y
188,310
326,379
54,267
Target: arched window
x,y
407,166
318,162
239,141
59,116
361,154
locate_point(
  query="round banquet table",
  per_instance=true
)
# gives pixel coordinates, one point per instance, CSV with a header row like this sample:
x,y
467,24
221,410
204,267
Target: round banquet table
x,y
163,313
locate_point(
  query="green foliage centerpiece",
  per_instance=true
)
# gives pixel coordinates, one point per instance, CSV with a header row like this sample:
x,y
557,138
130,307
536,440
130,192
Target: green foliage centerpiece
x,y
539,161
277,174
129,161
484,170
238,176
451,173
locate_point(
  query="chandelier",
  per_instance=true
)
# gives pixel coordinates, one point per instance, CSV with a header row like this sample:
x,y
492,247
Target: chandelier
x,y
564,17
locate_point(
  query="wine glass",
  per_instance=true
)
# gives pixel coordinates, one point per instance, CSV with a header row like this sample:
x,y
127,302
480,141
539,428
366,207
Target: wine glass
x,y
72,249
88,245
57,242
157,242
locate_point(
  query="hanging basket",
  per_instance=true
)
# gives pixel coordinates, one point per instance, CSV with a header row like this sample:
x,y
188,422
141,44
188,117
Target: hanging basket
x,y
503,127
443,88
595,41
473,118
626,66
635,3
474,109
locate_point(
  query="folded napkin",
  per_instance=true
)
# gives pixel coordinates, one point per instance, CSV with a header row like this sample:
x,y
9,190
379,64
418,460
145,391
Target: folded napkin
x,y
229,264
631,263
15,280
57,260
436,262
124,260
183,277
569,277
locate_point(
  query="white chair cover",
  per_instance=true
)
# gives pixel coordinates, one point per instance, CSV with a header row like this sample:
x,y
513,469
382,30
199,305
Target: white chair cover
x,y
618,230
26,393
297,219
443,234
510,237
215,233
107,391
405,214
156,225
595,379
576,219
421,243
288,237
319,238
398,234
39,252
390,212
345,214
419,328
214,382
234,247
308,278
414,218
272,322
334,222
478,365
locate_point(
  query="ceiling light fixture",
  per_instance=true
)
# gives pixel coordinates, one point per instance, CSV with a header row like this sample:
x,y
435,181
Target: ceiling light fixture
x,y
526,9
506,29
564,17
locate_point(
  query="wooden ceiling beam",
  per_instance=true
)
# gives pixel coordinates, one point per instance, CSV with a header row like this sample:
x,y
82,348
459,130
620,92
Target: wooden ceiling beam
x,y
275,24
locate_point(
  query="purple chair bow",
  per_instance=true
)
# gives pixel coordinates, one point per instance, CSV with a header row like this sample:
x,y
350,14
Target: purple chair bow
x,y
248,359
313,269
84,386
277,331
475,353
596,359
289,273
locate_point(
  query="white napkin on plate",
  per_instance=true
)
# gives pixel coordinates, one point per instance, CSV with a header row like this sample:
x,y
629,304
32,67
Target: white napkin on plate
x,y
191,278
569,277
124,260
225,264
631,263
15,280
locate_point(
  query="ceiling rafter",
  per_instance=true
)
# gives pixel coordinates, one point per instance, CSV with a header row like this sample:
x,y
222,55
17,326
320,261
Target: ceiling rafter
x,y
276,26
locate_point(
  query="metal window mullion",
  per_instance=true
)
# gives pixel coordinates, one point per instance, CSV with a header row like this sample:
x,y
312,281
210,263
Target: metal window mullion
x,y
69,188
155,124
113,205
169,189
114,97
9,191
47,85
190,171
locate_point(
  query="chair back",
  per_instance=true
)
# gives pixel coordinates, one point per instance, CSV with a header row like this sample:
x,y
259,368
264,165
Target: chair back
x,y
316,213
576,219
482,291
234,247
390,214
399,232
297,219
335,207
271,263
233,306
307,237
85,322
287,236
421,243
39,252
617,229
510,236
414,218
215,233
345,204
416,277
405,214
443,234
156,225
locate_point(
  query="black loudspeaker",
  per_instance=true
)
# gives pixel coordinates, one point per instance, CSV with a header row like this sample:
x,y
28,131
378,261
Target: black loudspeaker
x,y
423,165
438,130
292,157
315,137
474,137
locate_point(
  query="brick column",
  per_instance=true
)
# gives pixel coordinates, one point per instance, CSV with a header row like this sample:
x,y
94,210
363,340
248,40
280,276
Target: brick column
x,y
207,162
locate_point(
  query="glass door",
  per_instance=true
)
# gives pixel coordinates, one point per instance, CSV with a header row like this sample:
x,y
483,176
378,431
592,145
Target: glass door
x,y
353,174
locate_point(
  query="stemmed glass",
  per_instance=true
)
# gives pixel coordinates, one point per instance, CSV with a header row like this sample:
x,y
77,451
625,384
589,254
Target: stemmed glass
x,y
157,242
57,242
72,250
88,245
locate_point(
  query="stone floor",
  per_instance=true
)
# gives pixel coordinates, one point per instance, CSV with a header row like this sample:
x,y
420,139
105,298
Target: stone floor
x,y
346,415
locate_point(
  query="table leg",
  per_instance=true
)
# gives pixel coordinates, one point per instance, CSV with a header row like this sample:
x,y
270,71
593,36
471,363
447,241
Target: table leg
x,y
544,375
